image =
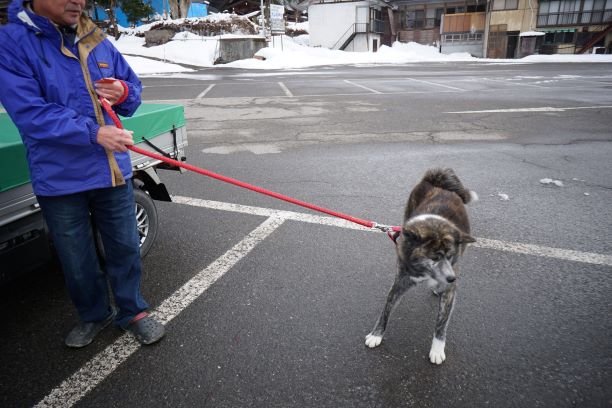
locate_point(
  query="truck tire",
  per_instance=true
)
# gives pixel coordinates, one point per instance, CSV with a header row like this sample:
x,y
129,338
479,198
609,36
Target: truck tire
x,y
146,220
146,223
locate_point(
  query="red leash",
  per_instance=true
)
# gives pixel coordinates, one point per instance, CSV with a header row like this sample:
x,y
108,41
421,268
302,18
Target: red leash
x,y
392,231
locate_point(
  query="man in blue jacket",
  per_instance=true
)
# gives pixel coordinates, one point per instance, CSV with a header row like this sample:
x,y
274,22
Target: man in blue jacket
x,y
54,65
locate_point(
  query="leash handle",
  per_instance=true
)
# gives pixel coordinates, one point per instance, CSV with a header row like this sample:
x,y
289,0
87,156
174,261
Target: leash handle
x,y
369,224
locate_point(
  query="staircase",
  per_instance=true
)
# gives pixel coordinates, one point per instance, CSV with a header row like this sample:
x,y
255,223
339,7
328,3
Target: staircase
x,y
349,35
595,39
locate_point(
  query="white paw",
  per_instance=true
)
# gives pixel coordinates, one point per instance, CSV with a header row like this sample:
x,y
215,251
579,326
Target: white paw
x,y
372,341
436,354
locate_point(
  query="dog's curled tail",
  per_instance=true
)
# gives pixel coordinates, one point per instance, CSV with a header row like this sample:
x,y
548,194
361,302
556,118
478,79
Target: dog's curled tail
x,y
448,180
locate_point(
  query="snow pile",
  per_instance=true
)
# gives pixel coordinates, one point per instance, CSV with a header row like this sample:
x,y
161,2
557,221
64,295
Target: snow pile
x,y
298,26
190,47
291,54
213,24
548,181
187,49
146,66
503,196
414,52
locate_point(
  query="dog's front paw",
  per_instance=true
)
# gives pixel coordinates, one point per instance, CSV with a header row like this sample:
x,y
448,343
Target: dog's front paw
x,y
373,340
436,354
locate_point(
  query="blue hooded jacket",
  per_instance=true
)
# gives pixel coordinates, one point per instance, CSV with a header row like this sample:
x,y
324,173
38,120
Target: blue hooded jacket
x,y
46,87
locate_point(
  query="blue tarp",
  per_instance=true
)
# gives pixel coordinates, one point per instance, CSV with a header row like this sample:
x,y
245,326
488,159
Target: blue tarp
x,y
160,6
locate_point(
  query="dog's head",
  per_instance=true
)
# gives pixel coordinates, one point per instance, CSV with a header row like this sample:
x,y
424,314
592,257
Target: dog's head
x,y
430,247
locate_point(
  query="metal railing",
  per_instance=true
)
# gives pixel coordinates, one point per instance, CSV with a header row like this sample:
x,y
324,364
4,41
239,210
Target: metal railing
x,y
349,34
462,38
577,17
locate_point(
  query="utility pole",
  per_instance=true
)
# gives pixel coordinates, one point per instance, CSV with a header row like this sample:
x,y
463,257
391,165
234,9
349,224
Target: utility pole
x,y
262,31
485,45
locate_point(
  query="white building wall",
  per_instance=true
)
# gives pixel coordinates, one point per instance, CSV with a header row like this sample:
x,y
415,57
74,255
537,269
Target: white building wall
x,y
328,22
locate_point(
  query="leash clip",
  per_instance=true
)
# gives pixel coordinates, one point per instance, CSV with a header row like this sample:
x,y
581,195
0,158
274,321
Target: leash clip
x,y
391,231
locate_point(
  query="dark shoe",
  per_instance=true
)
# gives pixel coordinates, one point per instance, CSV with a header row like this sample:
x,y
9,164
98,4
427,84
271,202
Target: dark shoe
x,y
83,333
146,329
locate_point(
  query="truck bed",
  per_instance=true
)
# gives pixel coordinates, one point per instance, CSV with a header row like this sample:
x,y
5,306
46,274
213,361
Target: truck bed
x,y
155,122
22,231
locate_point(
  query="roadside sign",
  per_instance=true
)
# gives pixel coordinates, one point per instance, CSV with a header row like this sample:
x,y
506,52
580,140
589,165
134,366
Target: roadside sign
x,y
277,19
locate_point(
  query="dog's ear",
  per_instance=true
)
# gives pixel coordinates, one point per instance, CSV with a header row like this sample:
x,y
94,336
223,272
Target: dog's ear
x,y
411,236
466,239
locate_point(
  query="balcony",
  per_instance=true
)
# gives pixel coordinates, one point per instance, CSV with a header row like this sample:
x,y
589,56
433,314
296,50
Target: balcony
x,y
422,24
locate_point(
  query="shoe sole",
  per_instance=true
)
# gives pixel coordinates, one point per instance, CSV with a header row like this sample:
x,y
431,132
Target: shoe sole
x,y
104,326
140,332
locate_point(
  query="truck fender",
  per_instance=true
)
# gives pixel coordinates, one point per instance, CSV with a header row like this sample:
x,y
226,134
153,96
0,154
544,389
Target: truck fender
x,y
148,180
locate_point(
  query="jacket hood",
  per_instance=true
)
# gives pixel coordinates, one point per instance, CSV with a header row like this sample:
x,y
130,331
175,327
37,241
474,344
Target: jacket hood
x,y
18,13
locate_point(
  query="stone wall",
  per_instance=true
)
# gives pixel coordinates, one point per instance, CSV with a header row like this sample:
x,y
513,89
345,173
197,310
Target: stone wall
x,y
233,49
158,37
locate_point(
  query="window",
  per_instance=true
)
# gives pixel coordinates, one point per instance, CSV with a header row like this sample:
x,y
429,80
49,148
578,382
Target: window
x,y
569,12
415,19
559,37
478,8
505,4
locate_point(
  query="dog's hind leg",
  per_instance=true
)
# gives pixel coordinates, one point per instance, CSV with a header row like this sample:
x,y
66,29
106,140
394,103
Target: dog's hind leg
x,y
447,301
400,286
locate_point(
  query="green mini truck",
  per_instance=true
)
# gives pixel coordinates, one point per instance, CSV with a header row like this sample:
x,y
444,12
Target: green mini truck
x,y
24,240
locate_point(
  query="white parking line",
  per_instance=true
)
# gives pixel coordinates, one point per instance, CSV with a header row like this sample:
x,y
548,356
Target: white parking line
x,y
507,82
486,243
269,212
363,87
536,250
540,109
436,84
203,94
285,89
71,390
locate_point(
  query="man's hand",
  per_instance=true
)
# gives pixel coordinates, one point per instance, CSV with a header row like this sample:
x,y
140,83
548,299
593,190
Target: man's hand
x,y
109,88
114,139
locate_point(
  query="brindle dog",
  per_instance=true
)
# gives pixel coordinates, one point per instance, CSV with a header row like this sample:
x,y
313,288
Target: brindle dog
x,y
435,232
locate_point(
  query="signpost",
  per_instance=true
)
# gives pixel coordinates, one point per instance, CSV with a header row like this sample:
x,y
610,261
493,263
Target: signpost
x,y
277,21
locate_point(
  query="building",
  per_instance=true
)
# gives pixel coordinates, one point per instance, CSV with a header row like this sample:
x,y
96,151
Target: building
x,y
454,26
349,25
483,28
507,22
507,28
575,26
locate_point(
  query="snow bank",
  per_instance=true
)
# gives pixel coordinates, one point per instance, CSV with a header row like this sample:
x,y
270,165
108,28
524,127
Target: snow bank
x,y
286,53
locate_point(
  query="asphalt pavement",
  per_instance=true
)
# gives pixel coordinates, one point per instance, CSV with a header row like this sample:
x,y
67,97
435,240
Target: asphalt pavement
x,y
267,304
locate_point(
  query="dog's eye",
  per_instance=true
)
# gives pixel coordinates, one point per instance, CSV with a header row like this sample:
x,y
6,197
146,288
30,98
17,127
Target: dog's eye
x,y
436,258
